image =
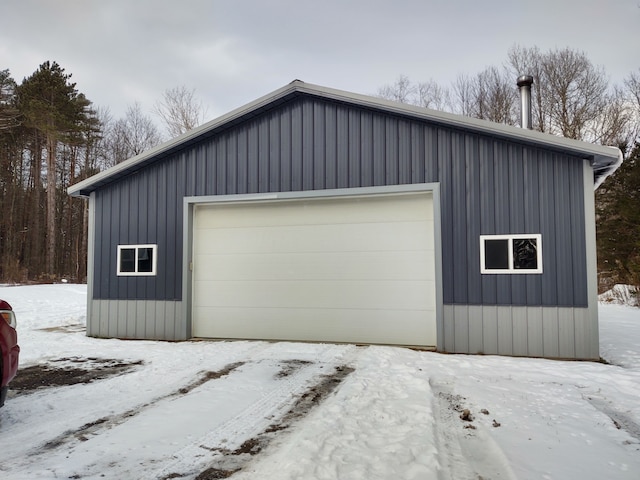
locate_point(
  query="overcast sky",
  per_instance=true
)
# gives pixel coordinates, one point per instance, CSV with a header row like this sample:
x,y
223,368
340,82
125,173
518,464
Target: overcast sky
x,y
234,51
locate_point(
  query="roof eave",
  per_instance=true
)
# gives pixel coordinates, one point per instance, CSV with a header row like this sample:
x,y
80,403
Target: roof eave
x,y
604,159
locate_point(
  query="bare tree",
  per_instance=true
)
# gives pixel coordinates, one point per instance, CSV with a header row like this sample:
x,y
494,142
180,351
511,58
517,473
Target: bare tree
x,y
431,95
527,61
632,84
400,91
572,97
179,110
131,135
426,94
489,95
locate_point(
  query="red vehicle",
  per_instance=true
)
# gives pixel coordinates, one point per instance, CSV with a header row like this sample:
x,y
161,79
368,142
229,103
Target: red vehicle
x,y
9,349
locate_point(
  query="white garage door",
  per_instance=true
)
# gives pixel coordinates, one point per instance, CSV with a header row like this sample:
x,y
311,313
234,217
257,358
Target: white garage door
x,y
338,269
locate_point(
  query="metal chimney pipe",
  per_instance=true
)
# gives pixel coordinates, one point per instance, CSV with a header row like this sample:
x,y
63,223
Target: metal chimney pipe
x,y
524,84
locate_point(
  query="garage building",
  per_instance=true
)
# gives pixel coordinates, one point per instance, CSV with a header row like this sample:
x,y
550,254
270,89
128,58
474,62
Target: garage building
x,y
313,214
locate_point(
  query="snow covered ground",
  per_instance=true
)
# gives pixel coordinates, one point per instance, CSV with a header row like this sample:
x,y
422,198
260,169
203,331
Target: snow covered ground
x,y
259,410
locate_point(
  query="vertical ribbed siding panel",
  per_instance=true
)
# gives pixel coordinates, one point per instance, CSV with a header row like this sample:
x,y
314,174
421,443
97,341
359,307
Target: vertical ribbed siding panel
x,y
404,152
446,205
175,186
285,151
242,165
201,173
489,315
550,332
578,229
566,333
460,266
461,328
252,158
274,154
122,222
520,331
342,149
150,326
535,332
355,150
473,219
419,160
317,154
228,146
488,215
476,332
548,230
331,147
263,157
151,233
161,229
532,218
308,135
502,213
517,217
431,168
391,155
449,330
106,324
379,151
505,331
296,147
515,337
366,150
563,227
218,166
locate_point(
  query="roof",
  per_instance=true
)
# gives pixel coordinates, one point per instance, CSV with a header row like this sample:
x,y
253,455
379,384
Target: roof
x,y
605,160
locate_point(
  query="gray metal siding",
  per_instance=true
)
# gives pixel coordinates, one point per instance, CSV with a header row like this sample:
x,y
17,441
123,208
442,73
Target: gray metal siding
x,y
488,186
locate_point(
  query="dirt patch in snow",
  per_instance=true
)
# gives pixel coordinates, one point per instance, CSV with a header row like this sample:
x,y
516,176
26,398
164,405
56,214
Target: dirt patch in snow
x,y
288,367
210,375
68,371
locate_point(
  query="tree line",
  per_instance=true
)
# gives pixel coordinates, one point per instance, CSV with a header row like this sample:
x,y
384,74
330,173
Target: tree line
x,y
52,136
573,98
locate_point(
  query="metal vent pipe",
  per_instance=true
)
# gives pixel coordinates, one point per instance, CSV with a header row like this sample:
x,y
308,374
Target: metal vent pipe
x,y
524,84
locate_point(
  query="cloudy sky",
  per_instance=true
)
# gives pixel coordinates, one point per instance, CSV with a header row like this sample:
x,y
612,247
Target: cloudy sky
x,y
232,52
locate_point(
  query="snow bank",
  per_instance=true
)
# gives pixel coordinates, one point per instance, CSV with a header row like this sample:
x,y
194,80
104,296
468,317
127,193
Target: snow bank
x,y
621,295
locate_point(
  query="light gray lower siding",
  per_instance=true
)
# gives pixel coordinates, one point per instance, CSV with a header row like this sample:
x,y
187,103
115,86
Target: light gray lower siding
x,y
136,319
552,332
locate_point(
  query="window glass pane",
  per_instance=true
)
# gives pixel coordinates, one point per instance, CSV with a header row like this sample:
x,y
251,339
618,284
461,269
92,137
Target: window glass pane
x,y
127,260
525,253
145,259
496,254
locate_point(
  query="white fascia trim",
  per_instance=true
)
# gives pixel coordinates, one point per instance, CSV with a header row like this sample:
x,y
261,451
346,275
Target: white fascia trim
x,y
309,194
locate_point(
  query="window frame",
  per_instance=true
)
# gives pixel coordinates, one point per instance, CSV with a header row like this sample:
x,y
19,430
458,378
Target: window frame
x,y
511,270
137,247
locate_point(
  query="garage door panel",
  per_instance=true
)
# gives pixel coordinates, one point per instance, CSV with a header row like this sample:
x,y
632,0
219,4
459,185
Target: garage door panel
x,y
317,266
371,294
316,238
340,269
358,210
371,326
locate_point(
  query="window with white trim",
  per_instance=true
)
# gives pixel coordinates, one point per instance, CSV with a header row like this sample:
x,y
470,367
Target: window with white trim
x,y
521,253
137,260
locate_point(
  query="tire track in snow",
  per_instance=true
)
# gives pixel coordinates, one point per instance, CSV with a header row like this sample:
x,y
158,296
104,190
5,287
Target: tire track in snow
x,y
93,428
621,420
83,433
464,453
254,420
